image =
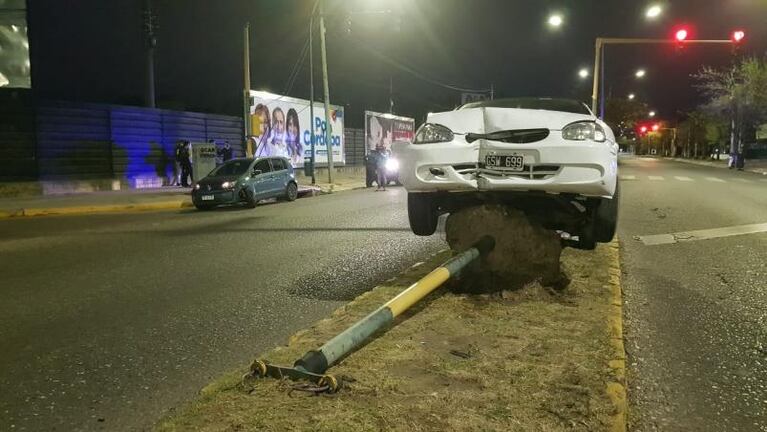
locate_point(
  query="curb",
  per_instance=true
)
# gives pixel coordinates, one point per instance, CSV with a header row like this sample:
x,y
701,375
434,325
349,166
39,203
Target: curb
x,y
79,210
703,163
616,390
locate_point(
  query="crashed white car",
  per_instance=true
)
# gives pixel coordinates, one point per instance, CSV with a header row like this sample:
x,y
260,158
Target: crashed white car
x,y
551,158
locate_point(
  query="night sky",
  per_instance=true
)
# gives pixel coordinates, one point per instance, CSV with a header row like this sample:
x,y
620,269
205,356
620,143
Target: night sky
x,y
92,50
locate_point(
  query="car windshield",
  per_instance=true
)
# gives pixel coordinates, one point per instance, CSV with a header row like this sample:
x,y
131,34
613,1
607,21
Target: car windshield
x,y
549,104
231,168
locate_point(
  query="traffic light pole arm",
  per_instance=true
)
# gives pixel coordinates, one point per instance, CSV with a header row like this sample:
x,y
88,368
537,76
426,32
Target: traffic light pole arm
x,y
599,52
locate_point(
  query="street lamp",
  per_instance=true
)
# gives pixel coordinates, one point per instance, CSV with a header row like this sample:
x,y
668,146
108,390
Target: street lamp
x,y
653,11
631,96
555,20
640,73
583,73
651,113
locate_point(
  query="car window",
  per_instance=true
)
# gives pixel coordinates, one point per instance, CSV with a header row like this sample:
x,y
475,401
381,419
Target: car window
x,y
263,166
278,164
549,104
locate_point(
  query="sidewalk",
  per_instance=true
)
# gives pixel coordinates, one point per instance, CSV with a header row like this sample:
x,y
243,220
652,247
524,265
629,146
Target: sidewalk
x,y
758,166
167,198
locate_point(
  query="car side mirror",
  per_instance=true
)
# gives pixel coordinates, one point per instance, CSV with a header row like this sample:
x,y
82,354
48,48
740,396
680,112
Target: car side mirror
x,y
257,172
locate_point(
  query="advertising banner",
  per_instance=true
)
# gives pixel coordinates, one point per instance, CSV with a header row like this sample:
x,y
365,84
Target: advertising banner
x,y
281,126
383,129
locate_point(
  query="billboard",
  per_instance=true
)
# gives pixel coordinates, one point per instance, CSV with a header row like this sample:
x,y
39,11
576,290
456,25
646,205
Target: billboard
x,y
14,45
281,126
383,129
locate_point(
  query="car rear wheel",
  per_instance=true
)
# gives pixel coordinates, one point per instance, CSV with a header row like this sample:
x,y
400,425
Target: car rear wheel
x,y
422,213
606,218
291,192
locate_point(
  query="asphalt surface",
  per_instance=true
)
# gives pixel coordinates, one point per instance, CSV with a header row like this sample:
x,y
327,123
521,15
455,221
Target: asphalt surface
x,y
696,311
108,322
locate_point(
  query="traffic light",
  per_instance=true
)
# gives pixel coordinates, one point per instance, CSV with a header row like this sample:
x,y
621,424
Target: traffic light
x,y
681,35
738,36
643,129
655,127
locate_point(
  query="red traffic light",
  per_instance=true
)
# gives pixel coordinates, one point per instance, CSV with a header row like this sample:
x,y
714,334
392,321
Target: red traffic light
x,y
738,35
643,129
681,35
655,127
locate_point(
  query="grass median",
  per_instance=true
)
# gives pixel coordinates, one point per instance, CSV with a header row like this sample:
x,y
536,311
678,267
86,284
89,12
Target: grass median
x,y
530,359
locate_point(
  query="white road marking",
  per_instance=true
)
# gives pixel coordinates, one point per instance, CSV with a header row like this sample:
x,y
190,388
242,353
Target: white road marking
x,y
683,178
656,178
631,177
686,236
714,179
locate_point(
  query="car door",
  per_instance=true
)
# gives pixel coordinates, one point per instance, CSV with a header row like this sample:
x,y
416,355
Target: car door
x,y
262,178
279,175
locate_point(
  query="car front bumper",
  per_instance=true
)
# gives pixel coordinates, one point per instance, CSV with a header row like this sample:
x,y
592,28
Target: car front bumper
x,y
552,165
218,197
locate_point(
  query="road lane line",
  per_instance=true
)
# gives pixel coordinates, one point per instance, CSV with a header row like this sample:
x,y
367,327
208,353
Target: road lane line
x,y
631,177
714,179
656,178
686,236
683,178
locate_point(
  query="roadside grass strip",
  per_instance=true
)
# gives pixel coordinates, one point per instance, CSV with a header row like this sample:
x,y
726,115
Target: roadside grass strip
x,y
530,359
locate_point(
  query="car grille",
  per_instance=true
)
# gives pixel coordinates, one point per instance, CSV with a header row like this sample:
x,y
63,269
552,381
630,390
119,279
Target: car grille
x,y
531,172
518,136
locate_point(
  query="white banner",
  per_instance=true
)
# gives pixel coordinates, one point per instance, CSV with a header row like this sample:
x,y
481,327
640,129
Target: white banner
x,y
282,126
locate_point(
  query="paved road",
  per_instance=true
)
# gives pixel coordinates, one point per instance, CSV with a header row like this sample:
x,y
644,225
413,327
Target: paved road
x,y
106,322
696,311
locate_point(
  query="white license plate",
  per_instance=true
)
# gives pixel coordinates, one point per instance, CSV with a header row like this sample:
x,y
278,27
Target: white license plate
x,y
208,197
504,162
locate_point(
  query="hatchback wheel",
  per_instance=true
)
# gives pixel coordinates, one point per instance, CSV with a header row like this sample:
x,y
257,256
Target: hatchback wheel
x,y
249,197
291,192
422,213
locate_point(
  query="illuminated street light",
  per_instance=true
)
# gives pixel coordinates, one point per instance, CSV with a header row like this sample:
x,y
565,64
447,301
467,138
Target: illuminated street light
x,y
631,96
652,113
653,12
583,73
555,20
640,73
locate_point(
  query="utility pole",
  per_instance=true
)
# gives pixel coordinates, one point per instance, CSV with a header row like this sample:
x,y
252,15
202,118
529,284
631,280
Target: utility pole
x,y
323,50
391,96
150,25
311,86
246,90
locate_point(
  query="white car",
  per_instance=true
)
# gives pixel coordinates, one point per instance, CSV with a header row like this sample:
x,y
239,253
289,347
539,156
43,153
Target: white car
x,y
551,158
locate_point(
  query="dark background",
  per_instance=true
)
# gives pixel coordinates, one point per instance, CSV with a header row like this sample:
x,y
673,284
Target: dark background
x,y
93,50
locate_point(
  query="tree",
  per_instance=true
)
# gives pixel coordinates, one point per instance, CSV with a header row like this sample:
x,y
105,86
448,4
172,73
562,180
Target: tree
x,y
623,115
738,94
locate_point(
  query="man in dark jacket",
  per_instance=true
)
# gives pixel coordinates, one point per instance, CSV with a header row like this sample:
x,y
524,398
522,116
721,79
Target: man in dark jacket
x,y
225,152
182,157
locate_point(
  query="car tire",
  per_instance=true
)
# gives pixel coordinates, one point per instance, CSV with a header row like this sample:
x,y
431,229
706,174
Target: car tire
x,y
606,218
422,213
291,192
587,236
250,198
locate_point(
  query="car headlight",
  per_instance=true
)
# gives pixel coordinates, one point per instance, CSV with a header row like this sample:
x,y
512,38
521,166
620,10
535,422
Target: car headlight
x,y
196,186
392,164
584,130
228,184
430,133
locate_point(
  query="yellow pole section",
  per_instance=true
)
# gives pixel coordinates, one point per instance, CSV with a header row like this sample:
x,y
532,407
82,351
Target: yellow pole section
x,y
417,291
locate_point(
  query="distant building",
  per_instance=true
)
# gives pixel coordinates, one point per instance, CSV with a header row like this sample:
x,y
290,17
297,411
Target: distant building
x,y
14,45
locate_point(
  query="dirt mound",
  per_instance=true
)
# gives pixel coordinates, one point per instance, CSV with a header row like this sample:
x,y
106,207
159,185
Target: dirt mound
x,y
524,251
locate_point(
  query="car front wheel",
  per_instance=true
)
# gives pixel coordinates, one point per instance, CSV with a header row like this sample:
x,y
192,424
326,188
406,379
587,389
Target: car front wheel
x,y
291,192
606,218
422,213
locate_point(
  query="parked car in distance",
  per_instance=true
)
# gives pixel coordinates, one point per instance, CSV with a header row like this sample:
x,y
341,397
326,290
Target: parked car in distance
x,y
246,180
551,158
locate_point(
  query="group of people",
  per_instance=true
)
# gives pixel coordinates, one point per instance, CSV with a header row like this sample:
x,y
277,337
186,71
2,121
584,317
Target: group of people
x,y
280,134
378,158
182,154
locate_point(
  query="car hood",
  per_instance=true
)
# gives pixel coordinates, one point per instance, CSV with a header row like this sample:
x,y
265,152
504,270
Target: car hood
x,y
217,181
490,119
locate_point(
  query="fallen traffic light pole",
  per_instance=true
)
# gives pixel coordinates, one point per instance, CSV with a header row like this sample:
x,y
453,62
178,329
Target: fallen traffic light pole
x,y
313,365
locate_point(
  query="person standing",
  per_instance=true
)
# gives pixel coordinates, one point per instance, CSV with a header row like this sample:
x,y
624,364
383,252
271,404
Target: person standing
x,y
225,152
182,156
381,157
